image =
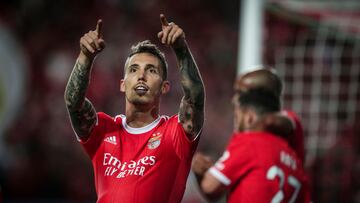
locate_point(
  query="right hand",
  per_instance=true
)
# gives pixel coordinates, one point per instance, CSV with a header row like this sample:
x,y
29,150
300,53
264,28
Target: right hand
x,y
92,42
201,163
171,34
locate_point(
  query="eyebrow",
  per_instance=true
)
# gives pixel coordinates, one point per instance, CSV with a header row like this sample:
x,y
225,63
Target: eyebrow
x,y
133,65
150,66
146,66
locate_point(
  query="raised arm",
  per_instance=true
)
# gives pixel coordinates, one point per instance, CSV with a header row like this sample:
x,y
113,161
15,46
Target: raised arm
x,y
191,112
82,112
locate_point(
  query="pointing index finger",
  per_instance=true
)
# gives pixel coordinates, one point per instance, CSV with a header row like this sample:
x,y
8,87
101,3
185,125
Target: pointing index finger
x,y
163,20
99,28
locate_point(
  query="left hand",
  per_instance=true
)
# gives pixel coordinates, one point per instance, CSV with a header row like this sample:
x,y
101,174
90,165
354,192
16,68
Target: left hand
x,y
171,34
201,163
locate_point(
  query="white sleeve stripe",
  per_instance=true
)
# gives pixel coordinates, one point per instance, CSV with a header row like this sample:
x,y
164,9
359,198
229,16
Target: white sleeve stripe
x,y
197,135
97,120
220,176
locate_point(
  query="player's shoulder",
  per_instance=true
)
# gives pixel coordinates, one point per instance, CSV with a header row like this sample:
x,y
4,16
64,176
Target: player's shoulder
x,y
258,139
103,115
169,120
170,123
104,118
252,135
245,138
269,146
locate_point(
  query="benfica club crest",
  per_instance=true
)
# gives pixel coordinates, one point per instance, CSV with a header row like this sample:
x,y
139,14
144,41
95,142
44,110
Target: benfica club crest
x,y
154,141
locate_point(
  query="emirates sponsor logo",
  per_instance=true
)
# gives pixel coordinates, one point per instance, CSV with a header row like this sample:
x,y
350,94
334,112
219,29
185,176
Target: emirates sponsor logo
x,y
111,139
154,141
122,169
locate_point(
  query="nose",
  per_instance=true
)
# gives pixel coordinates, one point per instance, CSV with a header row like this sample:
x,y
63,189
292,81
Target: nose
x,y
141,75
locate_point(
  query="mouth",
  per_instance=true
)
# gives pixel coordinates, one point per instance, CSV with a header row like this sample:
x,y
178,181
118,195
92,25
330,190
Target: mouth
x,y
141,89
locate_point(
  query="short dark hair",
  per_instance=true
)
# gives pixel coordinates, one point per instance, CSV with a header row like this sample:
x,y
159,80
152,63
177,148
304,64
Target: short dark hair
x,y
262,100
265,77
276,82
148,47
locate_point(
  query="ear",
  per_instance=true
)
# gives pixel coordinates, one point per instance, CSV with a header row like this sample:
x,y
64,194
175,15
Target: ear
x,y
122,85
250,118
165,87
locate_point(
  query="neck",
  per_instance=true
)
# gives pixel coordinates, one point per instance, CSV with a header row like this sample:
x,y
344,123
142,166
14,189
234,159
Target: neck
x,y
138,116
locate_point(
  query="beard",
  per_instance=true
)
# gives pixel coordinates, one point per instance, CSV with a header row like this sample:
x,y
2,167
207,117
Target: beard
x,y
142,100
239,125
139,100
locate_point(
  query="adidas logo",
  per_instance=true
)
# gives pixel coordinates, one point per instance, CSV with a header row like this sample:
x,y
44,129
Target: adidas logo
x,y
111,139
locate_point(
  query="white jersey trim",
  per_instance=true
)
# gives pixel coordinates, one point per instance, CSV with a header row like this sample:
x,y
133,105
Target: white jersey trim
x,y
141,130
197,135
220,176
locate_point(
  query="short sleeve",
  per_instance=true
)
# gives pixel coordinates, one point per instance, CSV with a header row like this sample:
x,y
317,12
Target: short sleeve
x,y
297,141
183,147
97,134
236,161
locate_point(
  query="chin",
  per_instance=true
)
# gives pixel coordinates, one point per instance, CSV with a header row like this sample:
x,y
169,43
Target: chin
x,y
141,100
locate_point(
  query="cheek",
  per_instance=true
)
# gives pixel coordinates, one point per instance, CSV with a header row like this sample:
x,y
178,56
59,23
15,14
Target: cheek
x,y
127,84
130,80
156,83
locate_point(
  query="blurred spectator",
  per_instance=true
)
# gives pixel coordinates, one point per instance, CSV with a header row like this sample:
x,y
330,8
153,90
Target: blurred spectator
x,y
336,175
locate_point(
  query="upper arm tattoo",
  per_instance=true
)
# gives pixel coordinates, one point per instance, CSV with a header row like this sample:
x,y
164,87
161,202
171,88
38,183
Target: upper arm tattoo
x,y
191,112
82,112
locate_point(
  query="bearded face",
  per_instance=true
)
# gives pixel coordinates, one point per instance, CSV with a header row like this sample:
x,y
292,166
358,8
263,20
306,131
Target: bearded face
x,y
143,83
239,124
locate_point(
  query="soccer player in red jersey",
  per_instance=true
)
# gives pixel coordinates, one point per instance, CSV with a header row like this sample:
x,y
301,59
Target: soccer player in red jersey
x,y
285,123
257,166
139,156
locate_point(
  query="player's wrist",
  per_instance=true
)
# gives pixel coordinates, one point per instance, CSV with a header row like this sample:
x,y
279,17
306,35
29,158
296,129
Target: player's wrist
x,y
84,59
180,44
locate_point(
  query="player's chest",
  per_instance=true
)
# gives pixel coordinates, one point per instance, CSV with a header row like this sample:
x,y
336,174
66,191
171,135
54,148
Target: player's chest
x,y
125,145
128,155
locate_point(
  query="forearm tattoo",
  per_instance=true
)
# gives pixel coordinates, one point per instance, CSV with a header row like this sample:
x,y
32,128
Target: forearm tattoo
x,y
191,113
82,112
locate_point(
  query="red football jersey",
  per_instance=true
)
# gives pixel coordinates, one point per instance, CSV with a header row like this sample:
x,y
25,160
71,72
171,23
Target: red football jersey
x,y
148,164
297,142
260,167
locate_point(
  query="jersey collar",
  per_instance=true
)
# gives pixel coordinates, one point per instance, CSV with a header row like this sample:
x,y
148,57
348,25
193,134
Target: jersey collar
x,y
141,130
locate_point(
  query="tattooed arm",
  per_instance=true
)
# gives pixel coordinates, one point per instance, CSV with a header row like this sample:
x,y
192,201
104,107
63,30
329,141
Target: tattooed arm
x,y
191,112
82,112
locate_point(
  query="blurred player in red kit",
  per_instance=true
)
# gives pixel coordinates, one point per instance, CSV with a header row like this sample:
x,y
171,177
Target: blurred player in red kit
x,y
257,166
285,123
139,156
